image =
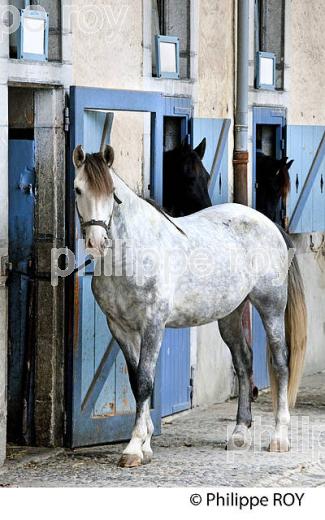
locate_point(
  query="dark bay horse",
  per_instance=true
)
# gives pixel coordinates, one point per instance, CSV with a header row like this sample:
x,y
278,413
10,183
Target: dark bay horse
x,y
185,180
272,186
248,260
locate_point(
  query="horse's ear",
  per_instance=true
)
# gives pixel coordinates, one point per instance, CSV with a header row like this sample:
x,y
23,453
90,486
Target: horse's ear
x,y
78,156
200,150
282,162
289,164
108,155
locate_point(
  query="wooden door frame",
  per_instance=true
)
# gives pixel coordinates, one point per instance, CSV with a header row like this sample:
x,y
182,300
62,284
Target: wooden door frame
x,y
264,115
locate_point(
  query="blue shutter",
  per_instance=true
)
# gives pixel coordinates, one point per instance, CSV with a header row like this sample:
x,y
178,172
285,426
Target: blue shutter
x,y
211,130
302,144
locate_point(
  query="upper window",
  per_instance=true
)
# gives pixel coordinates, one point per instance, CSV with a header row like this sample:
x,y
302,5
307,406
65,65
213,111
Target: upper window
x,y
269,33
172,18
52,39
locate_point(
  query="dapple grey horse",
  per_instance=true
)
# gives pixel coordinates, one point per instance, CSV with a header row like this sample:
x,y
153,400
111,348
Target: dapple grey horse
x,y
185,272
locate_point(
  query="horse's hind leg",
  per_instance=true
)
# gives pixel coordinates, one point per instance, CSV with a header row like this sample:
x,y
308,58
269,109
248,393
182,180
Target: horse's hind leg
x,y
271,307
231,331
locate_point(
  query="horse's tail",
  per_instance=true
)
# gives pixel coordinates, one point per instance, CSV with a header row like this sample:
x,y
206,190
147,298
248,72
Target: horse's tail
x,y
295,328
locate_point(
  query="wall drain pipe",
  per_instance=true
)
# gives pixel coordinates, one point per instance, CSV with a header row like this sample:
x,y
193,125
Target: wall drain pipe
x,y
240,159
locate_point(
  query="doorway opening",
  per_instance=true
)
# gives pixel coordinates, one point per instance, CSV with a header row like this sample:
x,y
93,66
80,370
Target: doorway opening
x,y
36,159
21,287
268,141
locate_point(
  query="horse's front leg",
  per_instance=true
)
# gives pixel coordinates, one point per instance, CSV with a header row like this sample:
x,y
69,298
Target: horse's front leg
x,y
138,451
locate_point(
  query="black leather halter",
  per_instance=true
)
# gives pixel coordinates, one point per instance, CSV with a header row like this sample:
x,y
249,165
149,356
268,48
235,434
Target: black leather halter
x,y
93,222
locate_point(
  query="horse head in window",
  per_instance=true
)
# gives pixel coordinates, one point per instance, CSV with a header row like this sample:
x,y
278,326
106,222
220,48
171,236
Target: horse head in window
x,y
272,185
185,180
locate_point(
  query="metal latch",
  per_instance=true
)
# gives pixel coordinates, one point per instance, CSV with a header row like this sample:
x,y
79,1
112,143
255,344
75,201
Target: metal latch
x,y
66,119
5,266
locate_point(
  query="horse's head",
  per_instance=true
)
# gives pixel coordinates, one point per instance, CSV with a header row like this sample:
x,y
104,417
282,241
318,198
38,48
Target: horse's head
x,y
281,180
94,191
185,180
273,183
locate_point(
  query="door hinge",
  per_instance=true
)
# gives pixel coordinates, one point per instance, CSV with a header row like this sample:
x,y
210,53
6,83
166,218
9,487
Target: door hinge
x,y
283,144
66,119
65,423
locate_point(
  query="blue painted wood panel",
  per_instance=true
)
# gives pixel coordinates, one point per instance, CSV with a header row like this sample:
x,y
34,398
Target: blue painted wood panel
x,y
174,357
211,129
302,144
21,242
102,407
276,118
175,371
260,370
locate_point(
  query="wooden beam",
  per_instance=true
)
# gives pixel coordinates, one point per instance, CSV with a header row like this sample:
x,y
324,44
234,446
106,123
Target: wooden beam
x,y
100,378
106,129
218,156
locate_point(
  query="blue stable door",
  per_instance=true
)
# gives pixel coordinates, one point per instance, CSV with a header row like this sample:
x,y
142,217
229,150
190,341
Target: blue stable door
x,y
272,121
100,404
20,288
175,362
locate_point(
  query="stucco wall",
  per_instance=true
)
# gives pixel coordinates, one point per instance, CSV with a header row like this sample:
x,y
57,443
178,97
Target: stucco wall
x,y
312,265
307,57
215,59
107,43
213,380
127,139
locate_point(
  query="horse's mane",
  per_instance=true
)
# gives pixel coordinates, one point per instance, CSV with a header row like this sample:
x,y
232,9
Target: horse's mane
x,y
100,182
155,205
99,179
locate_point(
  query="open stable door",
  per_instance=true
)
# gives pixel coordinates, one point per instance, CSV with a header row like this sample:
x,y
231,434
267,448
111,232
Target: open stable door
x,y
100,404
216,140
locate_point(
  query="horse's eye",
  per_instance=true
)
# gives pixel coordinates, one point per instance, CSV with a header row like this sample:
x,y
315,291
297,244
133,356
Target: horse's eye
x,y
78,191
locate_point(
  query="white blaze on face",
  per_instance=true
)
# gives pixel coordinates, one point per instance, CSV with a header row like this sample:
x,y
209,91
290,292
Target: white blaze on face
x,y
92,207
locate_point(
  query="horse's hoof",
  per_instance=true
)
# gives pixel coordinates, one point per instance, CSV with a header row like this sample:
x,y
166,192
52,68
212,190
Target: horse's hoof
x,y
129,461
278,445
240,439
147,457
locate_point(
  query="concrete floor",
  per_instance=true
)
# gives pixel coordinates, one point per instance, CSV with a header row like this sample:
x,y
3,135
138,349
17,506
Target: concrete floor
x,y
191,452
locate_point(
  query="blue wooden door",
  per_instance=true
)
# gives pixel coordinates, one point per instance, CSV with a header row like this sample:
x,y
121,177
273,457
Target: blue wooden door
x,y
101,406
175,371
274,118
302,144
175,362
210,128
21,243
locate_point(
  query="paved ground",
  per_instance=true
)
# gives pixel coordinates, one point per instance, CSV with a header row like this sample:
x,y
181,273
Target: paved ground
x,y
191,452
